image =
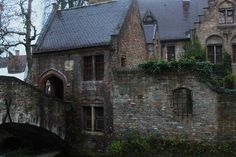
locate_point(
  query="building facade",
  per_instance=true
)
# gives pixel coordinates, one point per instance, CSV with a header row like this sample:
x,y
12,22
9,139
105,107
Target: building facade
x,y
77,52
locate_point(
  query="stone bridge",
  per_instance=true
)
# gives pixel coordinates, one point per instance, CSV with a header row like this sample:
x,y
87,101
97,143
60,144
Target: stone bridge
x,y
26,110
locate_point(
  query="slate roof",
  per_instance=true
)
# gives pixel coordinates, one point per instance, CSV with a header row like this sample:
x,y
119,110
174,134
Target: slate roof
x,y
150,32
83,27
174,22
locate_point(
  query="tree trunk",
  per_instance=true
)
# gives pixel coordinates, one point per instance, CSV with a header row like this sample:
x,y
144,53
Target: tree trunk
x,y
28,40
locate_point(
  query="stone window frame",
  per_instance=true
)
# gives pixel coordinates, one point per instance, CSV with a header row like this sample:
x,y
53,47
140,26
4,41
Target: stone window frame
x,y
226,13
93,67
93,118
182,102
213,44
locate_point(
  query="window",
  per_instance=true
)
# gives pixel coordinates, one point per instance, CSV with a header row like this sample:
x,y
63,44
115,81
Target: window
x,y
93,67
88,68
182,102
226,13
99,65
214,49
214,53
170,53
226,16
93,118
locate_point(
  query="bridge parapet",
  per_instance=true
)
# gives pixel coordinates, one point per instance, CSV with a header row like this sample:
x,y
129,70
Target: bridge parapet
x,y
23,103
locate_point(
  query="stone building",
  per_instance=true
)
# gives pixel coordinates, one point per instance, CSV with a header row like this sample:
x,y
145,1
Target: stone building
x,y
79,48
216,30
91,54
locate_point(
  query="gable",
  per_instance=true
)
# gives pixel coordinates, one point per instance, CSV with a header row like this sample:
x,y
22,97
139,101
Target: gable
x,y
175,18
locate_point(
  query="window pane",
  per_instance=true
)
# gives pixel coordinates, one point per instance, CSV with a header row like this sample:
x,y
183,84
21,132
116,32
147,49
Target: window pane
x,y
99,65
87,117
99,118
88,68
210,53
222,18
230,16
218,54
170,53
234,53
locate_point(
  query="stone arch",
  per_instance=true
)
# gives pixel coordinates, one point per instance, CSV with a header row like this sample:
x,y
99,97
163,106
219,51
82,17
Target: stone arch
x,y
214,51
53,82
226,4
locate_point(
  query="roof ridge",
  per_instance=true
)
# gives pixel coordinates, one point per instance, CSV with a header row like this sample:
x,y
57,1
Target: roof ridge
x,y
90,5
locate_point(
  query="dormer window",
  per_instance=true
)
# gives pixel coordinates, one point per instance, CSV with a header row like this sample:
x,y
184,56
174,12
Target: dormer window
x,y
226,16
226,13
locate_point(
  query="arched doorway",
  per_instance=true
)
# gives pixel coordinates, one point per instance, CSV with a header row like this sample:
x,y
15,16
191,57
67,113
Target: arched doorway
x,y
54,87
52,83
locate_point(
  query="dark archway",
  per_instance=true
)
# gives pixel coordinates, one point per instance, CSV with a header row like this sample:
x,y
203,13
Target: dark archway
x,y
55,87
53,83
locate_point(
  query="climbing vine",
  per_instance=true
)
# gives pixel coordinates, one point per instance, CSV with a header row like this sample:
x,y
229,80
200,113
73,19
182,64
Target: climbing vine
x,y
213,74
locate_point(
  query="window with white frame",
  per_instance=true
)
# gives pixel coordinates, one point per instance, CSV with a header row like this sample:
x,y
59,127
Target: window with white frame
x,y
226,13
93,118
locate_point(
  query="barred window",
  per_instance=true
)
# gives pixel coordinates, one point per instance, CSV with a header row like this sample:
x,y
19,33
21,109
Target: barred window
x,y
182,102
93,118
93,67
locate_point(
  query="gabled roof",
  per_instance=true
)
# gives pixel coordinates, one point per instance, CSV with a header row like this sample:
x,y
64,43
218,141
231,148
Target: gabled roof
x,y
175,19
84,26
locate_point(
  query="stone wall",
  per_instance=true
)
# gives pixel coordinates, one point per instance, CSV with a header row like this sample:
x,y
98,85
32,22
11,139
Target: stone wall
x,y
144,103
227,117
23,103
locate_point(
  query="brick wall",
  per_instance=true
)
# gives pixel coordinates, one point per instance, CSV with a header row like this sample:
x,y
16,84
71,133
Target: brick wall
x,y
144,103
132,43
83,92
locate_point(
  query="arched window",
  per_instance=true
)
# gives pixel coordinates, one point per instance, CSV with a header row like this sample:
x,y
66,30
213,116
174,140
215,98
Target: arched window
x,y
226,13
214,49
233,42
182,102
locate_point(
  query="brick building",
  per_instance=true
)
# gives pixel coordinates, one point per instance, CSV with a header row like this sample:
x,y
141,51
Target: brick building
x,y
79,48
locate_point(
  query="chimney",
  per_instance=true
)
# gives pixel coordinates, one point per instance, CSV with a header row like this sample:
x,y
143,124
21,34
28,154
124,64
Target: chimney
x,y
17,52
186,4
211,3
55,6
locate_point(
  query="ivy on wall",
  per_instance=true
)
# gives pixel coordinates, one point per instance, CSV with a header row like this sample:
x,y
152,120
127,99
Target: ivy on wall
x,y
213,74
